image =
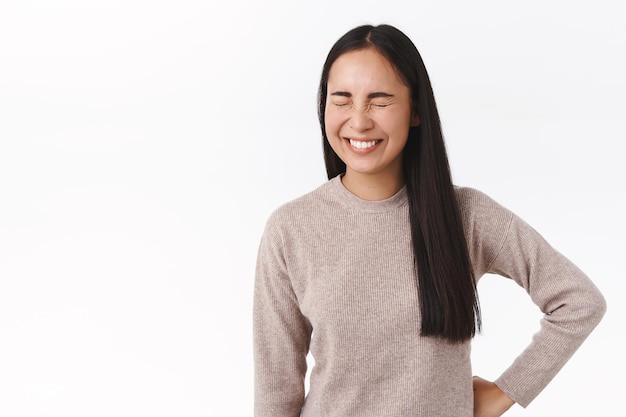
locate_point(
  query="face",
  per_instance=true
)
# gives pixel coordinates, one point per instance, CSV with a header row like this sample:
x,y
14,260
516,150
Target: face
x,y
368,113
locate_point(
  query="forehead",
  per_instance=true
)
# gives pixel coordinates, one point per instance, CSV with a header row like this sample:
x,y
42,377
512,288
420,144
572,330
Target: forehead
x,y
364,67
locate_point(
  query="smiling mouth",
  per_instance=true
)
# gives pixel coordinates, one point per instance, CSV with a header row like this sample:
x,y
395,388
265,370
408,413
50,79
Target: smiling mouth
x,y
363,144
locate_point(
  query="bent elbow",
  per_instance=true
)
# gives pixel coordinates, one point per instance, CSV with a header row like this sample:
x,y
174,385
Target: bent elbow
x,y
598,308
592,311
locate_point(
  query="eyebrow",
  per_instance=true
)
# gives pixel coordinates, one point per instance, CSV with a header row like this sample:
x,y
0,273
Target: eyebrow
x,y
370,95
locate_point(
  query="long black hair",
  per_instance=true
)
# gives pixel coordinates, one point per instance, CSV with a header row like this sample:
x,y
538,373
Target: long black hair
x,y
447,288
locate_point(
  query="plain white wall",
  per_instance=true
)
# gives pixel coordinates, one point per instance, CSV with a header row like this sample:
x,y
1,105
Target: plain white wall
x,y
143,145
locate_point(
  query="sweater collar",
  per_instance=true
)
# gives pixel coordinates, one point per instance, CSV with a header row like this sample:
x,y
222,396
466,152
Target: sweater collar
x,y
352,201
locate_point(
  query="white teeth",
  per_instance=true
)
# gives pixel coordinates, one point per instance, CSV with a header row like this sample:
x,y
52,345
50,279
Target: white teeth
x,y
360,144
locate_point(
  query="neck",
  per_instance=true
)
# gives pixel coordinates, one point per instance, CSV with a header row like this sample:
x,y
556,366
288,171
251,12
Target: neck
x,y
372,187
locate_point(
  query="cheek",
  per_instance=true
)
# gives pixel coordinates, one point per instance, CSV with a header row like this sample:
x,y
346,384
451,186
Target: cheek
x,y
332,121
396,124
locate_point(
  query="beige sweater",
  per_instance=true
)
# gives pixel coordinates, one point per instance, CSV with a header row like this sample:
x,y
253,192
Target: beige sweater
x,y
335,276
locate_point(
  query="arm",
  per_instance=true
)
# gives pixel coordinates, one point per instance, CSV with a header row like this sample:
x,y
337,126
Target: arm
x,y
489,400
281,334
571,303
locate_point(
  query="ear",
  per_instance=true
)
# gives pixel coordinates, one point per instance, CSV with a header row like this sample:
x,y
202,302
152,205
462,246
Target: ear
x,y
415,119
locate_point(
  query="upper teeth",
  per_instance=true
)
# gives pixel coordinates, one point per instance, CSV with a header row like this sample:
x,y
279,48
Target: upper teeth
x,y
360,144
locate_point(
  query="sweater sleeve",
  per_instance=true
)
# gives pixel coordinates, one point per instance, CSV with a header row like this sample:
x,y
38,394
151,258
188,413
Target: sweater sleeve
x,y
571,303
281,333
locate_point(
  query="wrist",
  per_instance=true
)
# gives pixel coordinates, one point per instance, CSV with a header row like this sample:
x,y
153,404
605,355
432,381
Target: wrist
x,y
502,398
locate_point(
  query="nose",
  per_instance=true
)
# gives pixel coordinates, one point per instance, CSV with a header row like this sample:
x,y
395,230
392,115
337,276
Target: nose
x,y
360,119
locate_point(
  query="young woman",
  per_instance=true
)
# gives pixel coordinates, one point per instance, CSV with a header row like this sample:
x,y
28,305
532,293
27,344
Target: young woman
x,y
375,271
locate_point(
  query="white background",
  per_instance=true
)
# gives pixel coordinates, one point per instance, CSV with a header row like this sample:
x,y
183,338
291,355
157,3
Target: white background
x,y
143,145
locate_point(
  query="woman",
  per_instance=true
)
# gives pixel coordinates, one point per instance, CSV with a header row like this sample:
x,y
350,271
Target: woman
x,y
375,271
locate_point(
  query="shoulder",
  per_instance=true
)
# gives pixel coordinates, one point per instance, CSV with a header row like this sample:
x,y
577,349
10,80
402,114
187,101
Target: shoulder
x,y
294,220
470,198
486,224
476,206
301,210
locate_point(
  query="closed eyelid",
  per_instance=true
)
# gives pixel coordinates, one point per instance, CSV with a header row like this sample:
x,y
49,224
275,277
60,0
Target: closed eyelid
x,y
340,102
365,106
377,99
385,101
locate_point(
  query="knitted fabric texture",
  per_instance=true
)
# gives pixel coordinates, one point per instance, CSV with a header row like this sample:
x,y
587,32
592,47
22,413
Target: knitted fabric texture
x,y
335,276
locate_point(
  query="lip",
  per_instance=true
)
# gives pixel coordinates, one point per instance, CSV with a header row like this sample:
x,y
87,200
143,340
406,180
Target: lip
x,y
360,151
